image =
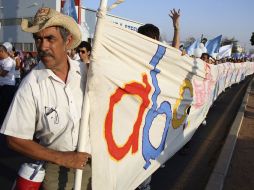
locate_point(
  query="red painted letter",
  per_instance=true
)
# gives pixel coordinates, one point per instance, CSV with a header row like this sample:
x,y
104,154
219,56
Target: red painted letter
x,y
132,89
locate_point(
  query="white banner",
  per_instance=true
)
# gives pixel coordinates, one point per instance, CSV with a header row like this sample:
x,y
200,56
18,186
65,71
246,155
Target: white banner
x,y
146,102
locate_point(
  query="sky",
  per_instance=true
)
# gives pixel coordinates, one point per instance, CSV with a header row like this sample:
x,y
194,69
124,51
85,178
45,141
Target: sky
x,y
231,18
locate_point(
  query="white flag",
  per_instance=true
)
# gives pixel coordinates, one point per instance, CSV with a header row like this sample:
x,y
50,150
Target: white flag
x,y
225,51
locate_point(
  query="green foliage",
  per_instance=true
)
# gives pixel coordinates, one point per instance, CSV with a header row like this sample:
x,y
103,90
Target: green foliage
x,y
252,39
251,51
228,41
189,41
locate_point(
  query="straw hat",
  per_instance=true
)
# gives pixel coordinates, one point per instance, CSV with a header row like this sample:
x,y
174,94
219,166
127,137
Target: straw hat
x,y
46,17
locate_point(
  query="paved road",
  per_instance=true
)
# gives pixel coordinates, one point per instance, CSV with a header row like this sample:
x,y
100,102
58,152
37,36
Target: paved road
x,y
192,170
241,168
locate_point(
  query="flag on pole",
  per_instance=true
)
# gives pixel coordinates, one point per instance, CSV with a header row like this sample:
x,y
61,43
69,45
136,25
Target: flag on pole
x,y
69,9
115,4
225,51
84,30
213,45
192,47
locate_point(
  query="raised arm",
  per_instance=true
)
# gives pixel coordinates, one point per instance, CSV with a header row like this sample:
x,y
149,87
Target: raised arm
x,y
175,15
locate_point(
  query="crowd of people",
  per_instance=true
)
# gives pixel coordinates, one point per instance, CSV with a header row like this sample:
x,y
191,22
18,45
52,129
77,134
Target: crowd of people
x,y
13,68
48,102
211,60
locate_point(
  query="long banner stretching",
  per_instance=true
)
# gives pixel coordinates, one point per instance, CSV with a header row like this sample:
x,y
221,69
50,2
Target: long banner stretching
x,y
146,102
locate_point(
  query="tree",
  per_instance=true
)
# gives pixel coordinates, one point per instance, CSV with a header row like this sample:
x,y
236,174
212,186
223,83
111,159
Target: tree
x,y
189,41
228,41
252,39
251,51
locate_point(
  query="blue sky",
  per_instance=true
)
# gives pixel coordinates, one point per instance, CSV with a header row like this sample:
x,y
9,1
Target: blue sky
x,y
231,18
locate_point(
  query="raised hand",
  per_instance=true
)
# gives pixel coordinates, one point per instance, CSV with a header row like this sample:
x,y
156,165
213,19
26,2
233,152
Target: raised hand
x,y
175,17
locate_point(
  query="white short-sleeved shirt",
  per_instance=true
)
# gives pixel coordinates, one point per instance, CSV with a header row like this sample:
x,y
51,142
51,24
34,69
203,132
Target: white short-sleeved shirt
x,y
8,64
48,108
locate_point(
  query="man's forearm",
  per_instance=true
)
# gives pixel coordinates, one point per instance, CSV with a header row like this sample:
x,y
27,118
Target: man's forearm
x,y
69,159
33,149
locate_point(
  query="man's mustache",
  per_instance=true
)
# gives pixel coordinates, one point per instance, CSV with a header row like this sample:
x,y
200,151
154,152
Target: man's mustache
x,y
44,54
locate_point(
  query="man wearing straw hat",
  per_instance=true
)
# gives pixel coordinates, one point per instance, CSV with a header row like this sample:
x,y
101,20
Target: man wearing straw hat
x,y
47,105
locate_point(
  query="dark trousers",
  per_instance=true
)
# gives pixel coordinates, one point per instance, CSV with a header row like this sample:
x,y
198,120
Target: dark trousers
x,y
61,178
6,95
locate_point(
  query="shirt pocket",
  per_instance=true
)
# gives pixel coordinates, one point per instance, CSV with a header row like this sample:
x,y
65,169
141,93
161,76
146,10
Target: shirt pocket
x,y
57,120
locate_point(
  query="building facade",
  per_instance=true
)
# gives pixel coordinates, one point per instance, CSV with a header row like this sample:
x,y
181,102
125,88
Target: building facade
x,y
12,12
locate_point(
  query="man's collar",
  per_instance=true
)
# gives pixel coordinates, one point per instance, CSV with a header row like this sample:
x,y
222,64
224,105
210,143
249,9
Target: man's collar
x,y
45,73
74,66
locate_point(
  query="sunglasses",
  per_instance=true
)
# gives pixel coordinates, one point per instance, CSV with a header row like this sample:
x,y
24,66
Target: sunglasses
x,y
82,51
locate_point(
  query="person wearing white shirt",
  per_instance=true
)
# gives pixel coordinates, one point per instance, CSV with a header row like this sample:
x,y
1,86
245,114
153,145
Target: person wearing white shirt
x,y
48,103
7,81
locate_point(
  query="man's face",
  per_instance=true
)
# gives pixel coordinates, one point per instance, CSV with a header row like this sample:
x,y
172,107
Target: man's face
x,y
52,50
